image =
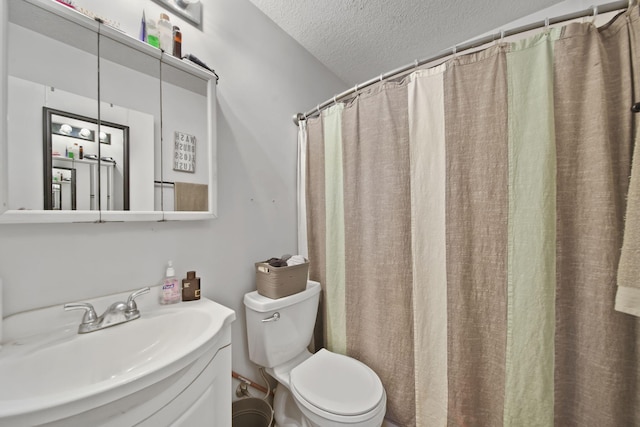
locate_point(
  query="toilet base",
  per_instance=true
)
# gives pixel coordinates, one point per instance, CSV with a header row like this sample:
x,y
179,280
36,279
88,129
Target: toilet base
x,y
286,412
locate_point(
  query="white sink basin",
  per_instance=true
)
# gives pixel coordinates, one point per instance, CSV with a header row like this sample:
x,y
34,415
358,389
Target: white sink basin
x,y
56,368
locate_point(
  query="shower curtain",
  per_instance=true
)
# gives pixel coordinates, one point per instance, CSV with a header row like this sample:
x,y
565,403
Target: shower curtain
x,y
466,224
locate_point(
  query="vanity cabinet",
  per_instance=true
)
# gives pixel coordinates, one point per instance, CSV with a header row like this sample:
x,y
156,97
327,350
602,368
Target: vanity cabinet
x,y
100,126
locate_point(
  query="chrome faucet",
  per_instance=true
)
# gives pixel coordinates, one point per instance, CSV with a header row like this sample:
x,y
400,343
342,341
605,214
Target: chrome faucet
x,y
118,312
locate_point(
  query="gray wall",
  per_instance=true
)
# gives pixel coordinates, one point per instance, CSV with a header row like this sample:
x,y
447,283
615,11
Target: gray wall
x,y
266,77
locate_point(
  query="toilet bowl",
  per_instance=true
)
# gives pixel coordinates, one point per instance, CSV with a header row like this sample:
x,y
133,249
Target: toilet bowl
x,y
320,390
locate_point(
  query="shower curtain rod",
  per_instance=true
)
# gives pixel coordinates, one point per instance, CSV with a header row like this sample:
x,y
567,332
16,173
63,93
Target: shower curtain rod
x,y
593,11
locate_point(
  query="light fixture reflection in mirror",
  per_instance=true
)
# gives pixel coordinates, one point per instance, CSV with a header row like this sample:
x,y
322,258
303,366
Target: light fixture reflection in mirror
x,y
191,10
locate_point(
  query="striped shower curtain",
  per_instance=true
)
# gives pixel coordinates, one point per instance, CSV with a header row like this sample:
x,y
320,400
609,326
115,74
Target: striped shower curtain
x,y
466,224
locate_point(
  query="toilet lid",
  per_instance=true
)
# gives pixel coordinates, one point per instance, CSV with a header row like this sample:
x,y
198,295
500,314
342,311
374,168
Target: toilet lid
x,y
337,384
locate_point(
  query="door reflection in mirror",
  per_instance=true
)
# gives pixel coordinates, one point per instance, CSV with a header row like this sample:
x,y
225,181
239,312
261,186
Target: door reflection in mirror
x,y
86,162
63,189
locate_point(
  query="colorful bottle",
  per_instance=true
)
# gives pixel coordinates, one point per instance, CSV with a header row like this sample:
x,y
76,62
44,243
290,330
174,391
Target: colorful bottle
x,y
171,292
165,33
177,42
153,38
143,29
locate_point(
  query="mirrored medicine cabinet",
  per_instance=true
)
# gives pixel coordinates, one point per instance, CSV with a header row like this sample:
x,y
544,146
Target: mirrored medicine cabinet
x,y
100,126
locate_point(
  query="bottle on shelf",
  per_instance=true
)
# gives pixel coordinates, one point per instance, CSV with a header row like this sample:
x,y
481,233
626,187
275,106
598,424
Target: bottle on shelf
x,y
177,42
165,31
153,38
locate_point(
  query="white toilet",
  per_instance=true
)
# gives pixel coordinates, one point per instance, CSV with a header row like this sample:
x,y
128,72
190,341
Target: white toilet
x,y
322,389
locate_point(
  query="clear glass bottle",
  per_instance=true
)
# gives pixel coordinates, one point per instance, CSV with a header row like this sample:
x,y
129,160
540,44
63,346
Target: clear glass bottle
x,y
165,31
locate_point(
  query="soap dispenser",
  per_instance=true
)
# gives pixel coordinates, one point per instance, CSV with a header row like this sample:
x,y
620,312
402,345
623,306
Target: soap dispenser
x,y
171,292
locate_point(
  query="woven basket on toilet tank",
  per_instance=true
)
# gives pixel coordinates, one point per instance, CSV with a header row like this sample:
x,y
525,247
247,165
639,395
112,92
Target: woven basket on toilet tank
x,y
278,282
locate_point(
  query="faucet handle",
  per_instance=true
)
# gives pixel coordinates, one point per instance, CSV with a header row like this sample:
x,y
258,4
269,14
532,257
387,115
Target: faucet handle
x,y
90,313
131,304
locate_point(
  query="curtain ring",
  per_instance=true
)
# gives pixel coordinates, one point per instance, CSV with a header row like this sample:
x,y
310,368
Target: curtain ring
x,y
415,63
595,14
318,108
334,100
355,90
381,77
501,36
546,25
454,50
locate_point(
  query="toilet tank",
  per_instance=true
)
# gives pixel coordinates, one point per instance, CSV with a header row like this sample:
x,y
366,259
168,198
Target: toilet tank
x,y
278,338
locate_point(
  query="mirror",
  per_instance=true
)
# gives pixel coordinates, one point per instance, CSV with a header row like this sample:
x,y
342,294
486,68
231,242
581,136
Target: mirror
x,y
67,84
71,79
87,161
185,151
130,95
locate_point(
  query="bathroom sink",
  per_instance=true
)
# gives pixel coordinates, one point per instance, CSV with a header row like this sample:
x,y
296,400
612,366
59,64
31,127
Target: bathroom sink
x,y
62,371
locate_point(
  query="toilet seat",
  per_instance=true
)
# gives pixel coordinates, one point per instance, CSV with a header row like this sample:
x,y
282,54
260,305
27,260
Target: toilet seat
x,y
336,386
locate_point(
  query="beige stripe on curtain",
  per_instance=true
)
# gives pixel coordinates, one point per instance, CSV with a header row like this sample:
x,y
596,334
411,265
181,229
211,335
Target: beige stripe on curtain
x,y
597,348
316,217
378,242
427,143
475,96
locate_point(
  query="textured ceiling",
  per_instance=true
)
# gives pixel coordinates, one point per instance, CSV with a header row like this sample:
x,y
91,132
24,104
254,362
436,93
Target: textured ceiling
x,y
360,39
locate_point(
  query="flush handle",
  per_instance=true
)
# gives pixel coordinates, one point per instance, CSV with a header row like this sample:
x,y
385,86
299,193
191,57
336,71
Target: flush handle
x,y
274,318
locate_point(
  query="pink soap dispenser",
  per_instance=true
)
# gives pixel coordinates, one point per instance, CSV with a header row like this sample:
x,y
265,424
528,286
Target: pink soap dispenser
x,y
171,292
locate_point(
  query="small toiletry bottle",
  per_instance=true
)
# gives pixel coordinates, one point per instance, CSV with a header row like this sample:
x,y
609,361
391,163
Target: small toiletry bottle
x,y
165,31
171,287
70,151
81,152
143,28
153,38
191,287
177,42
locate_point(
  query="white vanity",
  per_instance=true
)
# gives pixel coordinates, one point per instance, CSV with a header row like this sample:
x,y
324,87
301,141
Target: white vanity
x,y
171,366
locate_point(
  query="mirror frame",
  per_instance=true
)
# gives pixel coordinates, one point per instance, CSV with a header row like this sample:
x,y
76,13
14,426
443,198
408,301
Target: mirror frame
x,y
47,161
9,216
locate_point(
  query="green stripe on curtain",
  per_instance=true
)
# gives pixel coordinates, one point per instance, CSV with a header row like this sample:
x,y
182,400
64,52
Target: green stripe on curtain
x,y
475,96
335,277
428,166
532,234
316,222
596,347
378,242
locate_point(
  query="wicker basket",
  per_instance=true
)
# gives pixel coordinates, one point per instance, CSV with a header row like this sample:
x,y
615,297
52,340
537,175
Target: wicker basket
x,y
278,282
